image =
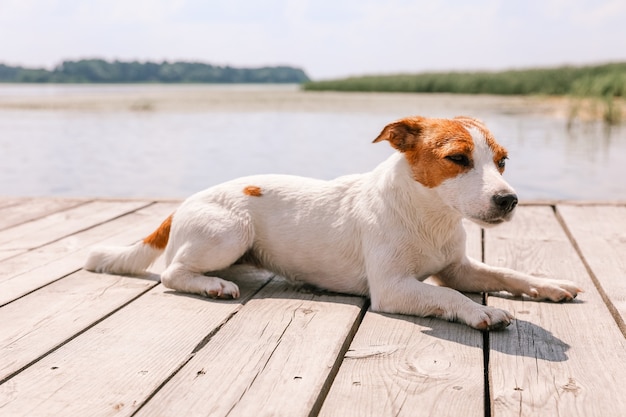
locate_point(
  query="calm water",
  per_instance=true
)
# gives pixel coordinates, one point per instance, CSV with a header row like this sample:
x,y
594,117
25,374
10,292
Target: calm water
x,y
172,153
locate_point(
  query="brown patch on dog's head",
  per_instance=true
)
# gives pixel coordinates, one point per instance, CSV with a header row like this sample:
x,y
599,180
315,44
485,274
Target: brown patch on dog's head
x,y
436,149
253,191
402,134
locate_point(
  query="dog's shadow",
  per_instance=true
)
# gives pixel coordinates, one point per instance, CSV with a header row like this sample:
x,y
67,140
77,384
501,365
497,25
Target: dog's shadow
x,y
521,338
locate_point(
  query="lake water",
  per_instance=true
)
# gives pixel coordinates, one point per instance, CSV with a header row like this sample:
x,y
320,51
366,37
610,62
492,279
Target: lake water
x,y
165,141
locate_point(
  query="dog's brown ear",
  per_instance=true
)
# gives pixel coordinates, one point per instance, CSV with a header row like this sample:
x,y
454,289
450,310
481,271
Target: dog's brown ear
x,y
403,134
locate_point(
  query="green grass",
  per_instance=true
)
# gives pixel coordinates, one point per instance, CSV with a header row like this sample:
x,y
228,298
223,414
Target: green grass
x,y
603,82
597,79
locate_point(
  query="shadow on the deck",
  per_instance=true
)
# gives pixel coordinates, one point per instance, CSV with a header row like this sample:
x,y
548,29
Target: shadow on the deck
x,y
521,338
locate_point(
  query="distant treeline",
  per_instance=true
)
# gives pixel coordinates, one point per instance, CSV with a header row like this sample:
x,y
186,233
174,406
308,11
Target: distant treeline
x,y
101,71
608,80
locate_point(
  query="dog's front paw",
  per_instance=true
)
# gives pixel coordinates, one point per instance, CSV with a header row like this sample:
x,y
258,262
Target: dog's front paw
x,y
487,318
554,290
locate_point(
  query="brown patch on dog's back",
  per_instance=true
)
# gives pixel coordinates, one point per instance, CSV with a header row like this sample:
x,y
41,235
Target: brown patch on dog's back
x,y
159,238
253,191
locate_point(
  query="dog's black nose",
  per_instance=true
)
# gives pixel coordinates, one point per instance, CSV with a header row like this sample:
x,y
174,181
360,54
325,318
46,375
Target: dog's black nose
x,y
505,202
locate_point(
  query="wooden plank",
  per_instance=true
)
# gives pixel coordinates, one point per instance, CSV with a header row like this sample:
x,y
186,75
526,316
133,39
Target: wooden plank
x,y
34,208
31,270
10,209
113,367
556,358
600,234
12,201
9,253
64,308
31,235
402,365
273,358
58,312
409,366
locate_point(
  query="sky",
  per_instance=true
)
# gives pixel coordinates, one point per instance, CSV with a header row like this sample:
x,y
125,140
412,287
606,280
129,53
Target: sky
x,y
326,38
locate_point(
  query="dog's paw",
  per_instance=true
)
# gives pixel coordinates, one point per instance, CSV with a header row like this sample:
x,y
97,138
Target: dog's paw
x,y
220,288
554,290
488,318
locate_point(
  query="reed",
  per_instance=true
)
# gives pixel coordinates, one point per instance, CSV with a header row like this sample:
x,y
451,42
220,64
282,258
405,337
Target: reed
x,y
605,84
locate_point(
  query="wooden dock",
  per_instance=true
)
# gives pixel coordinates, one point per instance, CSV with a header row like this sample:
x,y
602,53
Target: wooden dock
x,y
74,343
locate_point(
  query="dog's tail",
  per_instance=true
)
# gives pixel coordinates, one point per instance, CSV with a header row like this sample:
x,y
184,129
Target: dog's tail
x,y
130,260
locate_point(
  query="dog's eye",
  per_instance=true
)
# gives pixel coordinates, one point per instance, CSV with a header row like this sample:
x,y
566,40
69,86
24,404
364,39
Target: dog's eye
x,y
502,162
459,159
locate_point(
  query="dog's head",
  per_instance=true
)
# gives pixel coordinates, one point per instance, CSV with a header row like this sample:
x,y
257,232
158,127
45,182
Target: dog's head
x,y
460,160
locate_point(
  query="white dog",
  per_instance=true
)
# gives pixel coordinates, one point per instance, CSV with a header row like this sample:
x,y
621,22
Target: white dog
x,y
379,234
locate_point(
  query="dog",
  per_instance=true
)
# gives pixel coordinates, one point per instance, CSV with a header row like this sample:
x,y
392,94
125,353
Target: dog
x,y
378,234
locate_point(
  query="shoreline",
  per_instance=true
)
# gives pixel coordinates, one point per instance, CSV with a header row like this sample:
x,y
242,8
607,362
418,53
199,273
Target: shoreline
x,y
118,97
288,98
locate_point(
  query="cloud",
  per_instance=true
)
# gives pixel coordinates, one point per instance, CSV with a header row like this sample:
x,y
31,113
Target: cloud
x,y
327,37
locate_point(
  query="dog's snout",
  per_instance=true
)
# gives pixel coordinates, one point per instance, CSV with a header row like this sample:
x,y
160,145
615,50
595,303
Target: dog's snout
x,y
505,202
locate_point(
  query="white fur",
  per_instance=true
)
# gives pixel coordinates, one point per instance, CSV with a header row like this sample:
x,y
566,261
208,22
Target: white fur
x,y
379,234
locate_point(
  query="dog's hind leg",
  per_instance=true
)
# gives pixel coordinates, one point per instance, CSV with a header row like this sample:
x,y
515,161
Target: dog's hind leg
x,y
203,245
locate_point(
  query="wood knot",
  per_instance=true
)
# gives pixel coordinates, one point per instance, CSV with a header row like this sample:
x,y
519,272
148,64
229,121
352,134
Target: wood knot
x,y
571,386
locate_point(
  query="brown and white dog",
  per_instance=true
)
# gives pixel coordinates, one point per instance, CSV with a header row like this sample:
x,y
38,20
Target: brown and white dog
x,y
378,234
